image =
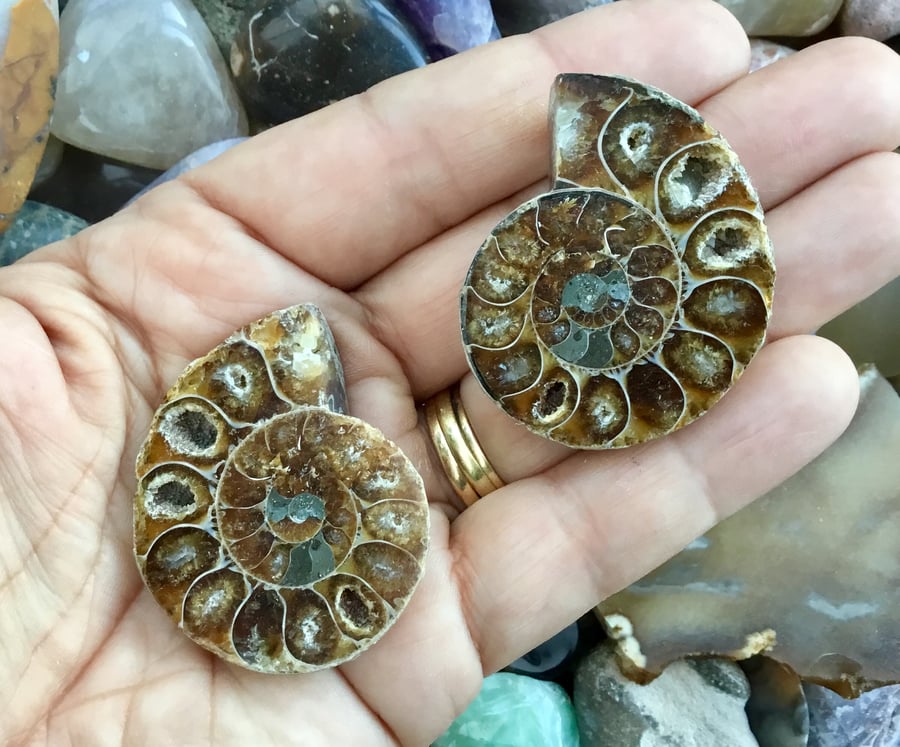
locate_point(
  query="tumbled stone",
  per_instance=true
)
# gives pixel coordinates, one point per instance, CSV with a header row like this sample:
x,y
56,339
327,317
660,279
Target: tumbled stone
x,y
91,186
764,52
223,18
776,709
868,332
29,39
871,720
693,702
36,225
877,19
514,711
546,660
197,158
783,17
50,161
142,81
450,26
522,16
807,573
291,57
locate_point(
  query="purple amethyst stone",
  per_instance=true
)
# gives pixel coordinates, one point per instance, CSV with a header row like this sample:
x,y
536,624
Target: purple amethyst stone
x,y
450,26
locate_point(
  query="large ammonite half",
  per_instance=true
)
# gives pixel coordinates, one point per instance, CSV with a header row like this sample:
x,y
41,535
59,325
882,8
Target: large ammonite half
x,y
623,303
276,531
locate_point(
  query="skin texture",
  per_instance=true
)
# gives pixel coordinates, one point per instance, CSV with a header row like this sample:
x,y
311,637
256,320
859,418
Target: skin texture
x,y
373,208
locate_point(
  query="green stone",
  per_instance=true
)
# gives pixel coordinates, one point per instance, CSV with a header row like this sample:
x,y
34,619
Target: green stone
x,y
36,225
515,711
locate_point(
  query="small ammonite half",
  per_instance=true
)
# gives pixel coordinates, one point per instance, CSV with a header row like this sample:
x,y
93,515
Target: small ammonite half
x,y
275,530
622,304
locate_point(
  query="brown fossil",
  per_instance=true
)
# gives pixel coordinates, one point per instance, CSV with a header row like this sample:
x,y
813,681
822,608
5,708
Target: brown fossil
x,y
276,531
624,303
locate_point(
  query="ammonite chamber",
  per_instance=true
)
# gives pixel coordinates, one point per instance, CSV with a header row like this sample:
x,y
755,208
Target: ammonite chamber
x,y
276,531
625,302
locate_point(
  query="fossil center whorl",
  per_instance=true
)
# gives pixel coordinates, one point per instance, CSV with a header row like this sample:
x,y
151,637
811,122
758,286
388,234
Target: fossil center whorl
x,y
623,303
283,508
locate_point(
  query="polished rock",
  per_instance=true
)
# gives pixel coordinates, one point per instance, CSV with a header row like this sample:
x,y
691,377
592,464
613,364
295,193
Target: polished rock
x,y
522,16
776,709
142,81
292,57
869,332
223,18
50,161
783,17
197,158
764,52
693,702
450,26
29,39
514,711
36,225
877,19
90,186
550,657
807,573
871,720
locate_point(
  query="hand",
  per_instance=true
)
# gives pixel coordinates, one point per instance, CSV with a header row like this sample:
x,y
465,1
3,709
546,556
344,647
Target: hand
x,y
372,209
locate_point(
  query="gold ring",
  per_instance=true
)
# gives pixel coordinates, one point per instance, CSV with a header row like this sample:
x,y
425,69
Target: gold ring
x,y
465,464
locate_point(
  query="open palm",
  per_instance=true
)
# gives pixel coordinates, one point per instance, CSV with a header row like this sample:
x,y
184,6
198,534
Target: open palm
x,y
372,209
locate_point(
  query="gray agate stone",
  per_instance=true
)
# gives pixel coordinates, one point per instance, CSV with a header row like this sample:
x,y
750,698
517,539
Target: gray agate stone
x,y
197,158
37,225
142,81
693,702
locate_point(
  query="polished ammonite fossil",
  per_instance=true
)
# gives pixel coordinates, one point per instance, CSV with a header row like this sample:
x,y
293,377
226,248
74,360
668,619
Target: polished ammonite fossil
x,y
625,302
276,531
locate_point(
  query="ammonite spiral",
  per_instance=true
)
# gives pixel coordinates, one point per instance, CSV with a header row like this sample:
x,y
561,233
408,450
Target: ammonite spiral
x,y
622,304
276,531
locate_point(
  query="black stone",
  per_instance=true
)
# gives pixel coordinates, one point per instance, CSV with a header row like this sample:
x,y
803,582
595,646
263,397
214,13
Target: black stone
x,y
306,55
894,43
522,16
91,186
550,658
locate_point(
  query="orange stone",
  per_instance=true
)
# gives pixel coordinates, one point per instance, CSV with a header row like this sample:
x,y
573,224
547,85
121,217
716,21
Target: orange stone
x,y
27,81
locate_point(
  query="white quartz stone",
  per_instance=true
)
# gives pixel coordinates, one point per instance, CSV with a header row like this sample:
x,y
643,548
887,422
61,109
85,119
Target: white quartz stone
x,y
142,81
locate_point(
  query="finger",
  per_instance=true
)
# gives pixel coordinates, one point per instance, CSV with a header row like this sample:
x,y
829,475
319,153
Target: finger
x,y
601,521
382,172
842,234
858,76
798,119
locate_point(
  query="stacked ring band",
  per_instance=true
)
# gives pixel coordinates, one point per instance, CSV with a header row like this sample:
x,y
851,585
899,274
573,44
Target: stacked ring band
x,y
465,464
